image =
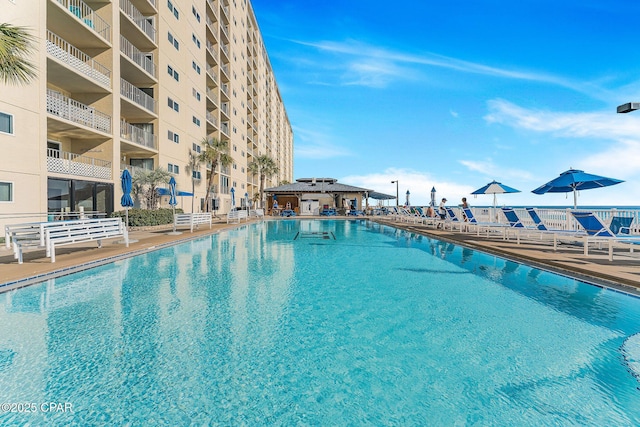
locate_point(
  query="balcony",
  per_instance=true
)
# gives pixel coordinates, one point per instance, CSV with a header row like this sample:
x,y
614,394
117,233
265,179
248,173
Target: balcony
x,y
212,74
141,59
143,23
138,97
66,163
81,12
72,110
138,136
69,59
211,119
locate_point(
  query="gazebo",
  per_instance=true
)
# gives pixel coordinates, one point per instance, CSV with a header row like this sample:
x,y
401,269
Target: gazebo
x,y
308,196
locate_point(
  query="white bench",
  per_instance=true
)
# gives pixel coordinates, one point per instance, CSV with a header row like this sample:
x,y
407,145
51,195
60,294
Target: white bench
x,y
258,213
28,235
192,219
82,231
237,215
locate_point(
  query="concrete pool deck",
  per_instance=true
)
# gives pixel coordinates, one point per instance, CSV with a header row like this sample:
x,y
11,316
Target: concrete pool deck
x,y
623,273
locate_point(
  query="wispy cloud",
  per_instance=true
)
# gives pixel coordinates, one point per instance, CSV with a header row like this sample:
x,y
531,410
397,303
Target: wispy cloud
x,y
620,158
314,144
492,171
397,60
418,183
454,113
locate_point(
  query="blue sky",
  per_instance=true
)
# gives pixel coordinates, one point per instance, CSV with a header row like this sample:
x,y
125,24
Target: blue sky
x,y
457,94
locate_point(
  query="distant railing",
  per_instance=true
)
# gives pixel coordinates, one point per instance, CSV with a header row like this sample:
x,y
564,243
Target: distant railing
x,y
74,164
133,170
137,56
225,68
84,13
212,96
212,74
76,59
211,119
138,136
139,19
134,94
70,109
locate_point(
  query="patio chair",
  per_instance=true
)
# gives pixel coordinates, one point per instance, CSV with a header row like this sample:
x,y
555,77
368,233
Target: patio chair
x,y
487,226
452,219
599,232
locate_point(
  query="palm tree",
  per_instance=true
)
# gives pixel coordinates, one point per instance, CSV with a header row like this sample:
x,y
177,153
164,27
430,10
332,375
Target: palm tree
x,y
216,153
145,185
193,165
15,47
264,166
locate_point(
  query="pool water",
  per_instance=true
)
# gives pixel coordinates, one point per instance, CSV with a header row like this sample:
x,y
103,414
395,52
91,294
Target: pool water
x,y
302,322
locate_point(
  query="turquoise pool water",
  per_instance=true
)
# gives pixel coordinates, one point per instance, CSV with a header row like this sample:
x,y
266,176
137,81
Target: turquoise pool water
x,y
318,323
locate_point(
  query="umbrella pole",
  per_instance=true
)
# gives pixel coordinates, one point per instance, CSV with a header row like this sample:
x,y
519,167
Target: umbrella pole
x,y
126,216
174,218
575,198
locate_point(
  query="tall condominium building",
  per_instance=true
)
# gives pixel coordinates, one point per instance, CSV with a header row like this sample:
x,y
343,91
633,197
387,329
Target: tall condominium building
x,y
137,84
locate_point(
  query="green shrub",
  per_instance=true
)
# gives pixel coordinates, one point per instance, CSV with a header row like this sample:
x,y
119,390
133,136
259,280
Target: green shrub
x,y
146,218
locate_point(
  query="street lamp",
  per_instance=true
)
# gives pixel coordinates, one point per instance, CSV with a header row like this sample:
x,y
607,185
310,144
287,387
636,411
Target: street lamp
x,y
397,201
628,107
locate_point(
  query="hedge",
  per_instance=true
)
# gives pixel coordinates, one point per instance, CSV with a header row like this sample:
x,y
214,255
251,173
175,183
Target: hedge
x,y
146,218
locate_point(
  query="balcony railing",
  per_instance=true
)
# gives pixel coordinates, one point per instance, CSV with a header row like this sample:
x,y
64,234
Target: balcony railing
x,y
70,109
76,59
225,68
138,136
225,108
211,119
133,170
137,56
139,19
84,13
74,164
212,96
212,74
137,96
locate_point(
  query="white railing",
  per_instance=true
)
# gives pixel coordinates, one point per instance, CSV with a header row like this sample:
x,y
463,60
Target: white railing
x,y
67,163
211,119
137,96
70,109
224,128
133,170
138,136
66,53
212,96
225,69
137,56
212,74
225,108
138,18
225,89
84,13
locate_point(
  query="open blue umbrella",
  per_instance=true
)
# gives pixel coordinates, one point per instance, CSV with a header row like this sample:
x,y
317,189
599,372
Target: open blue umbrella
x,y
575,180
126,201
494,188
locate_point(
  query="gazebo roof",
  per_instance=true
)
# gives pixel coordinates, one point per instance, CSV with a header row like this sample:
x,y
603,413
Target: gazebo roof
x,y
316,185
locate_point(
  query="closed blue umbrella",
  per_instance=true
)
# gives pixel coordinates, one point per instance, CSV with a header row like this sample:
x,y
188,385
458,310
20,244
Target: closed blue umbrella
x,y
126,201
172,199
433,197
575,180
494,188
233,197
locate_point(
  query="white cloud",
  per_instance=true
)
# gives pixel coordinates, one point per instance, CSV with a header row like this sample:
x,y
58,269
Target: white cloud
x,y
418,183
619,159
314,144
493,171
453,113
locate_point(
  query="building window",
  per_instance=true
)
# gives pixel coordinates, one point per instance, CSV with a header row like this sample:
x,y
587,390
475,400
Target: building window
x,y
195,66
195,40
195,93
173,9
196,120
174,41
173,104
196,175
6,191
174,137
173,169
197,148
195,13
6,123
173,73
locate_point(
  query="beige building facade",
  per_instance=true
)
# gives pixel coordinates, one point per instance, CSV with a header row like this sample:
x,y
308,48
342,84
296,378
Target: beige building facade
x,y
137,84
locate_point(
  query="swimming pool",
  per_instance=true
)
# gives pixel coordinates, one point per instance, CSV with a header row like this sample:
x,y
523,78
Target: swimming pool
x,y
318,323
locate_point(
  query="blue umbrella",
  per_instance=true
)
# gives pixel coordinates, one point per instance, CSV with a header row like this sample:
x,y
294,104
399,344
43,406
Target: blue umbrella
x,y
233,197
172,192
126,201
575,180
433,197
494,188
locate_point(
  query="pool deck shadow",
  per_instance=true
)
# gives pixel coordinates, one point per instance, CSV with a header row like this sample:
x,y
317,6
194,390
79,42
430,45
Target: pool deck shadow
x,y
623,273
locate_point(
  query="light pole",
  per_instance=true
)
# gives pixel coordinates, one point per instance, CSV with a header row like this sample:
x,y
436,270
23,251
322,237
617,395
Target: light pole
x,y
397,201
